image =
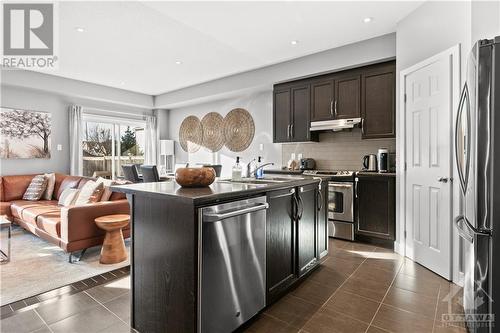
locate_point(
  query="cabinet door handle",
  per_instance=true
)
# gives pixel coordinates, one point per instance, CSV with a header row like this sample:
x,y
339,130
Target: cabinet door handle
x,y
320,199
335,108
295,208
363,126
288,131
301,207
291,131
356,188
331,107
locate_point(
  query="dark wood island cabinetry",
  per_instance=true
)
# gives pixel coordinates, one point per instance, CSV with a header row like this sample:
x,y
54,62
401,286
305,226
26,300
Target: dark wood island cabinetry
x,y
166,236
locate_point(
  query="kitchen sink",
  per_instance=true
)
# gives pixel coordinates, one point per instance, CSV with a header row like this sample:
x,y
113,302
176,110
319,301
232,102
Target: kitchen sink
x,y
263,181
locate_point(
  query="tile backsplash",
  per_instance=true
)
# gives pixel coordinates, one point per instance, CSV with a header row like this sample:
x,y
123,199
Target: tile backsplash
x,y
338,150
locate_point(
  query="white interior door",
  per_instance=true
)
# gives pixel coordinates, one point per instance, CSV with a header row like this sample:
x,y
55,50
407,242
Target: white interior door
x,y
428,112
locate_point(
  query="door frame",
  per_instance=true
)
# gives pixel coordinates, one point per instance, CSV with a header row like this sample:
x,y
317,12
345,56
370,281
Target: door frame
x,y
401,224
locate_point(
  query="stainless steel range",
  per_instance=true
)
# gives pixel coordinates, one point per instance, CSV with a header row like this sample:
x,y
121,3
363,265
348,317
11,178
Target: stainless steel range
x,y
340,201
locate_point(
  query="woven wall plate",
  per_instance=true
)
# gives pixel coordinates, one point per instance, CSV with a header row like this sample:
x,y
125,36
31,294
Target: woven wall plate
x,y
191,134
213,134
239,129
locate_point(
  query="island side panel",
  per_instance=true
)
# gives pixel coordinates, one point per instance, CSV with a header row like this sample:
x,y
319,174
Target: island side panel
x,y
163,265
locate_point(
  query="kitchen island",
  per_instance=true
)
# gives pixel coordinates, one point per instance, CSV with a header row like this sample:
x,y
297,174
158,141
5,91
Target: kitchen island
x,y
169,282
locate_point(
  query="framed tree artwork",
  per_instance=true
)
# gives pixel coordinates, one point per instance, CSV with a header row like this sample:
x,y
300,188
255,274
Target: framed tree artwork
x,y
24,134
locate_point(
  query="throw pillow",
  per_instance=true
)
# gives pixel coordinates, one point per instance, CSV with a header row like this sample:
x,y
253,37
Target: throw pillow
x,y
51,182
68,196
36,188
98,192
87,192
106,183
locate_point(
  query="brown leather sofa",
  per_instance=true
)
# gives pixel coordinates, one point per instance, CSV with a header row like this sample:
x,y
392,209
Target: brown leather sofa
x,y
71,228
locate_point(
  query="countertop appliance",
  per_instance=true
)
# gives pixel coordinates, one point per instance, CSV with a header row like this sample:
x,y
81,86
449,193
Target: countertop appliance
x,y
477,149
383,160
232,287
307,164
340,202
370,162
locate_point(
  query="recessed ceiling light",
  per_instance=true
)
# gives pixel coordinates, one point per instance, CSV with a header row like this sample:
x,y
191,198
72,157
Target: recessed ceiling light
x,y
178,62
294,42
79,29
368,19
122,83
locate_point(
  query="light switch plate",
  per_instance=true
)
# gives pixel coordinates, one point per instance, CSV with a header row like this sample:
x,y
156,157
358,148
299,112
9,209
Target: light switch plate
x,y
59,147
261,147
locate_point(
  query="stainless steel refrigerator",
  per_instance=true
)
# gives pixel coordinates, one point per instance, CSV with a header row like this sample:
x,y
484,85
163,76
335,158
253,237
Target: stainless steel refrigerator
x,y
477,147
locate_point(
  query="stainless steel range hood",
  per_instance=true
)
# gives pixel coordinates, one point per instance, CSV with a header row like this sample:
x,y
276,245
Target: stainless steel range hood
x,y
334,125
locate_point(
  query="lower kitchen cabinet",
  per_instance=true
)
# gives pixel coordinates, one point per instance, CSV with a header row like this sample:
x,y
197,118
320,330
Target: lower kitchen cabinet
x,y
296,237
280,242
306,229
376,208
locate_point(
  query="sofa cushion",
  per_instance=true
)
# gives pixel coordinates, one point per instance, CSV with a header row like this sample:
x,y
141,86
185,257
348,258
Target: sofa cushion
x,y
29,215
68,182
5,208
19,206
50,222
15,186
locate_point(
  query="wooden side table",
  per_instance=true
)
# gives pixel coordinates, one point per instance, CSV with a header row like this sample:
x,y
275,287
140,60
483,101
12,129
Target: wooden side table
x,y
113,249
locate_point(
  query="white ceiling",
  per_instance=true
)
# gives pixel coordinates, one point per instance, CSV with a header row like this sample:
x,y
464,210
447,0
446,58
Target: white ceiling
x,y
135,45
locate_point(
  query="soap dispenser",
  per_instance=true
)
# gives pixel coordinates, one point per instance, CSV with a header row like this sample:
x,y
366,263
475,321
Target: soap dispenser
x,y
259,173
236,171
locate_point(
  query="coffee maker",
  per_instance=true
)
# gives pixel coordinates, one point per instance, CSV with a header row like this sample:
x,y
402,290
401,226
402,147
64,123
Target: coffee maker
x,y
383,160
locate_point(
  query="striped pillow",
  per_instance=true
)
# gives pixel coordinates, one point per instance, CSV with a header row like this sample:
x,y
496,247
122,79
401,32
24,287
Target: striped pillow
x,y
36,188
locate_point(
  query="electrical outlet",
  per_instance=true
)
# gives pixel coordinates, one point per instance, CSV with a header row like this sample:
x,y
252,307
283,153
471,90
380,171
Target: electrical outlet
x,y
261,147
59,147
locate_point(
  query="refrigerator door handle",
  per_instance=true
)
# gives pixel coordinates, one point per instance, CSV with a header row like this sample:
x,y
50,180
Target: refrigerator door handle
x,y
463,174
461,231
470,232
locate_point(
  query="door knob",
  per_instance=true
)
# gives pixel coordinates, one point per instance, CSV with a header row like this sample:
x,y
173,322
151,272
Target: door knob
x,y
443,179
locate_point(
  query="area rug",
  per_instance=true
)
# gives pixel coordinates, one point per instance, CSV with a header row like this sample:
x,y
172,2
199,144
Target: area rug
x,y
37,266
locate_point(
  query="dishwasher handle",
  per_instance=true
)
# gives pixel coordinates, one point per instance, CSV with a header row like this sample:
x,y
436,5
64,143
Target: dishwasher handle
x,y
214,217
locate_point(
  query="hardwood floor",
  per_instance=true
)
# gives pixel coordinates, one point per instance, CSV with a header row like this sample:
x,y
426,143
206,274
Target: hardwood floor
x,y
358,288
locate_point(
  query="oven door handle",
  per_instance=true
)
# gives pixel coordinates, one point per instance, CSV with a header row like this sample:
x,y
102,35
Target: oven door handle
x,y
340,185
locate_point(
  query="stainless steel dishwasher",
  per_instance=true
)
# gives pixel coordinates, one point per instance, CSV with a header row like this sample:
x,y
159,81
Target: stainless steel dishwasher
x,y
232,264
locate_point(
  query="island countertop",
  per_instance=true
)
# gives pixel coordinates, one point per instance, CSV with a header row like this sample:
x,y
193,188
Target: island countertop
x,y
219,191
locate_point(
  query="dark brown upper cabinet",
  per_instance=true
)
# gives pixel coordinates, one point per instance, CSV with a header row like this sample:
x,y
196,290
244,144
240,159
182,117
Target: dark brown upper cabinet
x,y
282,114
367,92
322,100
378,102
292,107
347,103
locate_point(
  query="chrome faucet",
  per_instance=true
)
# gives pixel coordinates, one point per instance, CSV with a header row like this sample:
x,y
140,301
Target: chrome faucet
x,y
254,173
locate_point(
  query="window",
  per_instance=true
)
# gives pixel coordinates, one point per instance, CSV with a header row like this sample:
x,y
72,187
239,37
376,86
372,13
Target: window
x,y
109,143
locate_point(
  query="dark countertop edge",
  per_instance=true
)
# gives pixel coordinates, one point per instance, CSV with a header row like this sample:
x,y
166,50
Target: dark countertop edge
x,y
217,197
375,174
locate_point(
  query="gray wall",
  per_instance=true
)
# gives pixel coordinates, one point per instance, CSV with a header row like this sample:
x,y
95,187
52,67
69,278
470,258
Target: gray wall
x,y
55,95
260,107
338,150
38,101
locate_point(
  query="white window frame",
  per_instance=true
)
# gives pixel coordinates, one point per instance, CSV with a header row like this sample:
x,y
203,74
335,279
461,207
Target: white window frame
x,y
97,118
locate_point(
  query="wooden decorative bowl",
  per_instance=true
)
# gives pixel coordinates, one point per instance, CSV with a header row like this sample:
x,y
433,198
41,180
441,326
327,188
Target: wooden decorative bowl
x,y
195,177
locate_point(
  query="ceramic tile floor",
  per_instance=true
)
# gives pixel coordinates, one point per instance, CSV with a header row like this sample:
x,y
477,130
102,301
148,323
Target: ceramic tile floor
x,y
358,288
